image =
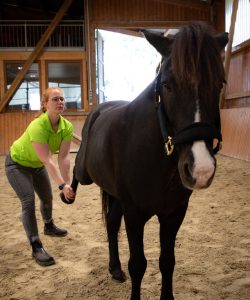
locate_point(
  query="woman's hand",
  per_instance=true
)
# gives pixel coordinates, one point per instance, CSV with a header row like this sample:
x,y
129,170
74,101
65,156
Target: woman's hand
x,y
68,192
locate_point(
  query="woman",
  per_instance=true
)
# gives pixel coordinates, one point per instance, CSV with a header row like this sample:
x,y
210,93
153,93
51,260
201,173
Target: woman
x,y
29,162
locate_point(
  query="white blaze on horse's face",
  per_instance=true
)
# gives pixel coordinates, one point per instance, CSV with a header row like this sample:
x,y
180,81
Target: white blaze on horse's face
x,y
204,164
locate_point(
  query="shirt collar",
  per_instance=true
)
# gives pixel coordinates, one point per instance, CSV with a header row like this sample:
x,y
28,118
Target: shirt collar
x,y
61,124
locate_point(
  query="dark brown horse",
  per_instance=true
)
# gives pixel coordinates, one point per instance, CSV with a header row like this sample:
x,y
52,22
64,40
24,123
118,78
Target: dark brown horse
x,y
149,154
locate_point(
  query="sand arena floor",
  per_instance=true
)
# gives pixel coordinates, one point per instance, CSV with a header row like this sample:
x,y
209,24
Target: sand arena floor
x,y
212,247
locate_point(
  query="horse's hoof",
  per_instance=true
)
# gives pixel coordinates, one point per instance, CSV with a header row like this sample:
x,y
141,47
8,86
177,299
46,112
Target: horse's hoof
x,y
118,276
66,200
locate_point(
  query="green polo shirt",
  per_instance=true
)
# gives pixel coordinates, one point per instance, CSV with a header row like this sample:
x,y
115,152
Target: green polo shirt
x,y
40,130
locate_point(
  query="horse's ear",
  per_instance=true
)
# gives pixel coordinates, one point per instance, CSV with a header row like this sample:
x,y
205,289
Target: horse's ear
x,y
222,40
159,42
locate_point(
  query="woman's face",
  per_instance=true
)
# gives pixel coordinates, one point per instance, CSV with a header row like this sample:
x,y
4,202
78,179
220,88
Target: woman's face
x,y
56,102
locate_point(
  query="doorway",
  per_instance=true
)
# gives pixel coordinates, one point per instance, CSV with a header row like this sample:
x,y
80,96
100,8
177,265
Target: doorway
x,y
126,65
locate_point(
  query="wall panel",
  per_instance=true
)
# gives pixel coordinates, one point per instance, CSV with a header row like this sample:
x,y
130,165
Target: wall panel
x,y
116,13
238,83
13,124
235,132
46,56
132,14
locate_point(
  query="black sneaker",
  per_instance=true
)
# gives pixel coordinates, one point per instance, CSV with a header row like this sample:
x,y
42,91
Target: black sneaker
x,y
40,255
51,229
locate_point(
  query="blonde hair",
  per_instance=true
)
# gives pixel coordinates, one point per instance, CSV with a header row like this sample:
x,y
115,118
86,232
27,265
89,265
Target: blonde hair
x,y
45,97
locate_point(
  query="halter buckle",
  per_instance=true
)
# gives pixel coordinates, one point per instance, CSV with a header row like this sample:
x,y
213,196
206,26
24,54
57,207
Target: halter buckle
x,y
169,146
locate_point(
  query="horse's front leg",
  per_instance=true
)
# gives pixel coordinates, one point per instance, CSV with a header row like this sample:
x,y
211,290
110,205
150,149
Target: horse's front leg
x,y
169,226
137,264
114,216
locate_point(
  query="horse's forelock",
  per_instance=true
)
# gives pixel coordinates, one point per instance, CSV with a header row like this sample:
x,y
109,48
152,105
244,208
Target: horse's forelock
x,y
195,54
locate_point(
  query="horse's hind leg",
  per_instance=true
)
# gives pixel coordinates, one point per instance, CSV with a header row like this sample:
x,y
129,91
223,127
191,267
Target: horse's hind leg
x,y
113,221
169,226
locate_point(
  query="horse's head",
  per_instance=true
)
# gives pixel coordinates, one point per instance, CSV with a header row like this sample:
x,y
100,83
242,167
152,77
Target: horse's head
x,y
188,88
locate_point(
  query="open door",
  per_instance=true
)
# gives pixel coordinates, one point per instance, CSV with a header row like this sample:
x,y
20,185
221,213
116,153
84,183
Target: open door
x,y
125,65
100,67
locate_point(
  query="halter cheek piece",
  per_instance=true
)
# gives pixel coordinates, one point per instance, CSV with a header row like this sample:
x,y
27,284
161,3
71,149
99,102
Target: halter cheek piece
x,y
194,132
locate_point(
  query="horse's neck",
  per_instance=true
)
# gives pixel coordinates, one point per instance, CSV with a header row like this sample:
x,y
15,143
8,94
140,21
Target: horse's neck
x,y
144,103
142,111
144,122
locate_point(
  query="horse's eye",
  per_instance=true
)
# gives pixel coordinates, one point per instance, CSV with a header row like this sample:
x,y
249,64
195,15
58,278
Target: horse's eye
x,y
166,86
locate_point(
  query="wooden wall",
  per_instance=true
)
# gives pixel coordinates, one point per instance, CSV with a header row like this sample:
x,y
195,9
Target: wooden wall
x,y
236,132
13,124
236,112
131,14
46,56
238,84
139,14
145,13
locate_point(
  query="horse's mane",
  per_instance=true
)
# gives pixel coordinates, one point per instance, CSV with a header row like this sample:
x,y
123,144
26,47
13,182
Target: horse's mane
x,y
195,53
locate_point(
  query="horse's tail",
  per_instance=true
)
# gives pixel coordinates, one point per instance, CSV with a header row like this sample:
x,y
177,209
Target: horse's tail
x,y
105,206
111,213
74,183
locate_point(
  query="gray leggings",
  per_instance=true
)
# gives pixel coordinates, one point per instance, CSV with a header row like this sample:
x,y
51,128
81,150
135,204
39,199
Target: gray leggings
x,y
26,181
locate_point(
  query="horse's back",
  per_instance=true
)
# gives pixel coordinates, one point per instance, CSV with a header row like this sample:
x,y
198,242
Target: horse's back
x,y
80,171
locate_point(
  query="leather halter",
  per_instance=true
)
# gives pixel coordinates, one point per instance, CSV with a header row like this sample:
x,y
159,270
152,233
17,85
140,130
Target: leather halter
x,y
193,132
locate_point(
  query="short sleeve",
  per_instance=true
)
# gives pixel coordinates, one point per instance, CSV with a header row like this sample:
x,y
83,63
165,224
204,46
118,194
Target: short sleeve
x,y
68,132
37,133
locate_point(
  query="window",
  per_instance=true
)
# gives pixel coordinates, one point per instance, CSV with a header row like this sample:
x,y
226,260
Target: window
x,y
242,24
27,97
67,75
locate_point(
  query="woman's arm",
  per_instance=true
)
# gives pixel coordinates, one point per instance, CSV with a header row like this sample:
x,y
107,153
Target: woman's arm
x,y
64,166
60,177
45,156
64,160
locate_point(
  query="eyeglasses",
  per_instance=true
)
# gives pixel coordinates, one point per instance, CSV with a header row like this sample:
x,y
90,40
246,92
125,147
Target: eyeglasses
x,y
57,99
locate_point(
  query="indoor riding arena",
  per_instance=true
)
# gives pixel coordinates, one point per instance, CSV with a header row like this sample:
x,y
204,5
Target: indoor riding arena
x,y
59,43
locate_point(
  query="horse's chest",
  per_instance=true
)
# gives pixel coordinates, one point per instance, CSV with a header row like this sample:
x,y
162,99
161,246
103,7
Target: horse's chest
x,y
160,195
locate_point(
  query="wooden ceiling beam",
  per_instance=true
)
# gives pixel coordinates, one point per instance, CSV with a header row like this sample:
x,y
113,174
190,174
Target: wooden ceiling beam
x,y
33,56
192,3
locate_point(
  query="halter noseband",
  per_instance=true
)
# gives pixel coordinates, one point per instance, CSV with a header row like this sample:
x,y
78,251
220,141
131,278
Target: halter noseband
x,y
194,132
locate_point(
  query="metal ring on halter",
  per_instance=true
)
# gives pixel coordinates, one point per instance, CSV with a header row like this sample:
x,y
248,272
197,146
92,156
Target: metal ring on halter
x,y
169,146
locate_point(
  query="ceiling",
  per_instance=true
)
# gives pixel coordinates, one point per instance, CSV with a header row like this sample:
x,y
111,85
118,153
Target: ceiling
x,y
47,9
38,9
